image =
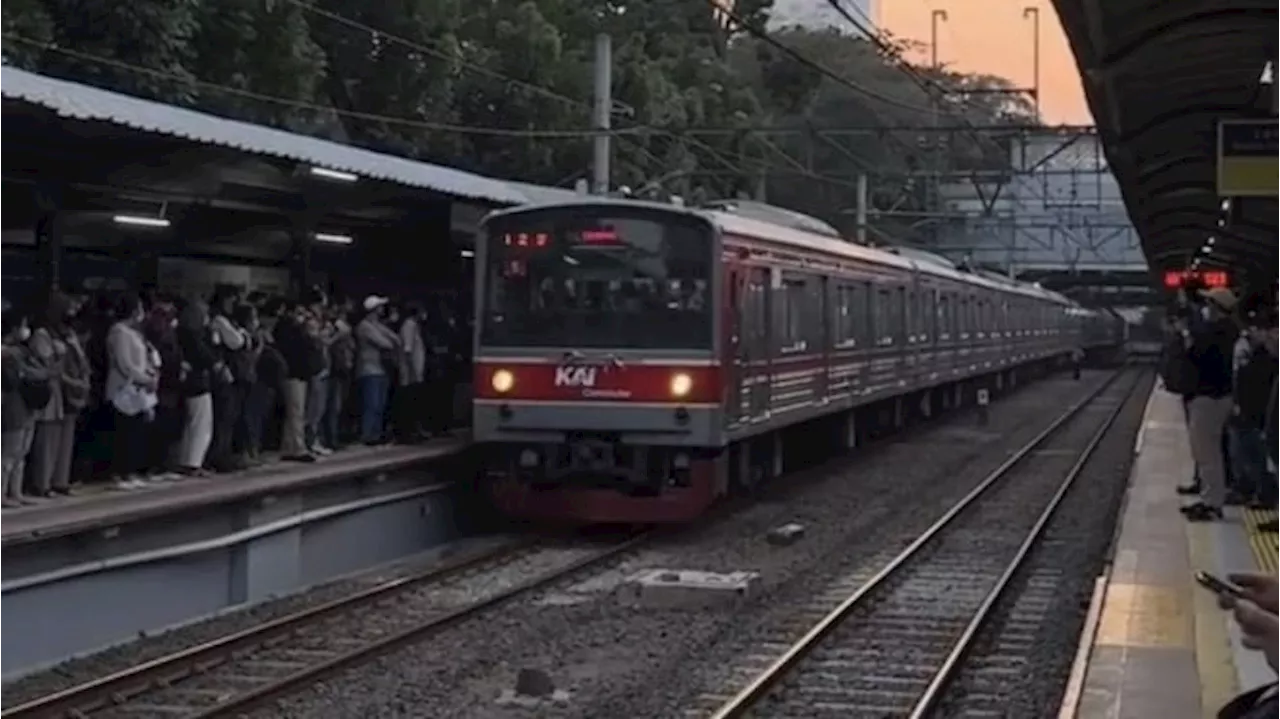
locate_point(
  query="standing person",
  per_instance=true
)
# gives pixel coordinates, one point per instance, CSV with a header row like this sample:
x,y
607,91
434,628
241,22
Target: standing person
x,y
246,317
320,332
161,330
297,351
342,365
1212,342
49,466
26,386
1178,373
1255,373
377,345
199,365
76,390
133,375
230,384
270,371
412,400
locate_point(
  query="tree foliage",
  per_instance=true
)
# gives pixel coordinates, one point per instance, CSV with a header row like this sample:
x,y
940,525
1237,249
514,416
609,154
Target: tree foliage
x,y
697,103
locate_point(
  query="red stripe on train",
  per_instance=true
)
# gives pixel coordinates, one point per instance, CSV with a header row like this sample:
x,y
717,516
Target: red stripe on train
x,y
589,383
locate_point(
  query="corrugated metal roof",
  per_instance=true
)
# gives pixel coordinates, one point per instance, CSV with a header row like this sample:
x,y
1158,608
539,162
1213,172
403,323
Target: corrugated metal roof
x,y
544,194
82,102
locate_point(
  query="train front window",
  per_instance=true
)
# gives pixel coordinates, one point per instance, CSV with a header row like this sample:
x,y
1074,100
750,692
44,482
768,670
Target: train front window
x,y
603,279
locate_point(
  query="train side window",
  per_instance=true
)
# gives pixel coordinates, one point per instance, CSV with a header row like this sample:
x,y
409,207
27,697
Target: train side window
x,y
791,312
944,317
884,318
913,316
847,322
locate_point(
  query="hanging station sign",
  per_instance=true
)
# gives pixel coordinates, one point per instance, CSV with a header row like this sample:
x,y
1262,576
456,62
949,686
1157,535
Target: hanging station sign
x,y
1248,162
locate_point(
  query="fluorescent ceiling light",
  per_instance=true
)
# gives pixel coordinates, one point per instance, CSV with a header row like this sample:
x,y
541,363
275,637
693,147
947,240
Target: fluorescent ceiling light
x,y
468,253
334,174
140,221
333,238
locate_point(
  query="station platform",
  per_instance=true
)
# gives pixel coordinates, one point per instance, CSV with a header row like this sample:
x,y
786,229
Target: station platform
x,y
102,506
153,558
1155,644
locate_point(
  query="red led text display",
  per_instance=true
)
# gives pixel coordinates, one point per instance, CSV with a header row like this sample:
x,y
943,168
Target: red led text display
x,y
1174,279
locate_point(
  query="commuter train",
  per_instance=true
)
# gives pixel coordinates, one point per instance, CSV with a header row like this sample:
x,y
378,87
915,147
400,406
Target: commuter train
x,y
636,361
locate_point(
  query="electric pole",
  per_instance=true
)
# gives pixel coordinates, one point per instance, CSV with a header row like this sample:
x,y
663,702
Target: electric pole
x,y
603,111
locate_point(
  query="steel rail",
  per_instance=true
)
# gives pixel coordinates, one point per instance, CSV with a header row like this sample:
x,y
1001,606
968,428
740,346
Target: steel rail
x,y
933,693
741,703
114,689
239,704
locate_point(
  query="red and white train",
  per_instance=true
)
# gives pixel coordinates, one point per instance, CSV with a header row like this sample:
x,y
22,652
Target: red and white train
x,y
636,361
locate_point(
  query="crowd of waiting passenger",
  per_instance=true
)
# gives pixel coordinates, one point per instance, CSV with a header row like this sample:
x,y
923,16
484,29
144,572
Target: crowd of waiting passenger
x,y
139,389
1221,357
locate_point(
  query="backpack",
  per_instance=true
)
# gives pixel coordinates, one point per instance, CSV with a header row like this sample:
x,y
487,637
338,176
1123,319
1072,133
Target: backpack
x,y
1177,368
33,382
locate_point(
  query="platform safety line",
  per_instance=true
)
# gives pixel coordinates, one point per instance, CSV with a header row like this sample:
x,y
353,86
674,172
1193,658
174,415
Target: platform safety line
x,y
1071,696
1215,659
208,545
1263,544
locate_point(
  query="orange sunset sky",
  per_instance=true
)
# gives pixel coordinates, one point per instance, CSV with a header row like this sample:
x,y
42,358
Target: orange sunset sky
x,y
992,37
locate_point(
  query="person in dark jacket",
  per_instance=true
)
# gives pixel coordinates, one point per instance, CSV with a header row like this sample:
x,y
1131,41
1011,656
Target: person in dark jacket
x,y
1255,374
1211,346
270,372
297,349
198,365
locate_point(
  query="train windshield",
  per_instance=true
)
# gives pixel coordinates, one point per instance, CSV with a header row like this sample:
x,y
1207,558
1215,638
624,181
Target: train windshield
x,y
598,278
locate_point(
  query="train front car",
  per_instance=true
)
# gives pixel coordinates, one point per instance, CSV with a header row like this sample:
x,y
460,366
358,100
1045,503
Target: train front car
x,y
596,387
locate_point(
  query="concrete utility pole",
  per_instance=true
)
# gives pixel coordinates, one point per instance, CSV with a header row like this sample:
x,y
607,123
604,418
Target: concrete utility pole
x,y
603,111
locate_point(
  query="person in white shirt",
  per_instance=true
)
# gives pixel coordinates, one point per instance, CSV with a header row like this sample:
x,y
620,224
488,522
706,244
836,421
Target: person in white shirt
x,y
133,375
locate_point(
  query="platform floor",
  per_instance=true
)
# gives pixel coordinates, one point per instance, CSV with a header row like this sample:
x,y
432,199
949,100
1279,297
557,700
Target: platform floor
x,y
1160,645
104,505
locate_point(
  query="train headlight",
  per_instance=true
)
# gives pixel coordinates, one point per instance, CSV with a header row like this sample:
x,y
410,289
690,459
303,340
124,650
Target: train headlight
x,y
681,384
503,381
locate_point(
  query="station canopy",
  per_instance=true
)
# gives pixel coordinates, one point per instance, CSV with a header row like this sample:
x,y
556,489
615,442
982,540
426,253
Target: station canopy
x,y
1159,76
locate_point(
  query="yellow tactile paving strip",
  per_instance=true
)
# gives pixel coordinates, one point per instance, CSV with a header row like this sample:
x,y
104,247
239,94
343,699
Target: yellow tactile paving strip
x,y
1264,544
1145,615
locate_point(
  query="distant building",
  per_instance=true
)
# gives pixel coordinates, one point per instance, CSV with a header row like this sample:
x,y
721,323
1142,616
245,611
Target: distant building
x,y
818,14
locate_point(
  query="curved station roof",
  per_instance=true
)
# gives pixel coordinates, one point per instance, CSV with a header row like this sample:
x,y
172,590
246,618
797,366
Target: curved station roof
x,y
1159,76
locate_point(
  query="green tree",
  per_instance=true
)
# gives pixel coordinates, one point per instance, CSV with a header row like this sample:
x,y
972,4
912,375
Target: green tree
x,y
29,20
257,47
150,34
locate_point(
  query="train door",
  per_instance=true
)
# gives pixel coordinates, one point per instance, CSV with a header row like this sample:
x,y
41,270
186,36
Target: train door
x,y
760,349
736,358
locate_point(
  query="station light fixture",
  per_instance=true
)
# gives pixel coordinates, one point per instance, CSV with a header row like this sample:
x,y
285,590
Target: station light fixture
x,y
468,254
1226,204
141,221
334,238
338,175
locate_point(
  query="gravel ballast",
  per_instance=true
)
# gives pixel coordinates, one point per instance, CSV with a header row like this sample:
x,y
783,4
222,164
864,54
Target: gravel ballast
x,y
614,660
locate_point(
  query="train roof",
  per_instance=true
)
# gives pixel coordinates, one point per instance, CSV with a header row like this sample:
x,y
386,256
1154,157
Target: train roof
x,y
741,224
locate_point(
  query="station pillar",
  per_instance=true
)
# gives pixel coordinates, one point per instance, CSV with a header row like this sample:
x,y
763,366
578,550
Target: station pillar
x,y
48,236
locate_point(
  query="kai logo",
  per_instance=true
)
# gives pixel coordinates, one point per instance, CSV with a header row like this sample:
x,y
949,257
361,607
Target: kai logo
x,y
576,376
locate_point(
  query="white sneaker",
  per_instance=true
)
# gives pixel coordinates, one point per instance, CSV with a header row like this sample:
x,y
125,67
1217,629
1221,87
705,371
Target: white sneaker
x,y
321,450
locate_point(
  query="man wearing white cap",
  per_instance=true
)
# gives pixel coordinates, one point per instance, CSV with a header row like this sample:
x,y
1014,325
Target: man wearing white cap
x,y
1211,351
377,347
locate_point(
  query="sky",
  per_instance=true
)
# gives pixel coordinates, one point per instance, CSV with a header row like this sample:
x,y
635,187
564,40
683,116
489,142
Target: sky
x,y
992,37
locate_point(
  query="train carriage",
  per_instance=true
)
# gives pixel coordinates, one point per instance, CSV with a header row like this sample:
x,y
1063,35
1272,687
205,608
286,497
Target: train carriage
x,y
635,361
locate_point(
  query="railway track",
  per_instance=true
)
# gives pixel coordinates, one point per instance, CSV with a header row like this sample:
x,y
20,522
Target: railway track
x,y
238,672
887,644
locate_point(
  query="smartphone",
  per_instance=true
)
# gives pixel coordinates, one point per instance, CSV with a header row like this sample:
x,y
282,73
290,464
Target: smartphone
x,y
1219,586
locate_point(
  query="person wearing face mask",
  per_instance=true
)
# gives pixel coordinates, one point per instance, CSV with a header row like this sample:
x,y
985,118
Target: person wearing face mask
x,y
161,330
133,376
26,391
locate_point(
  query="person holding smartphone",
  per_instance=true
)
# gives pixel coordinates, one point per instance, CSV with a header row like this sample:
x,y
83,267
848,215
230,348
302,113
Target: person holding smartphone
x,y
1254,600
